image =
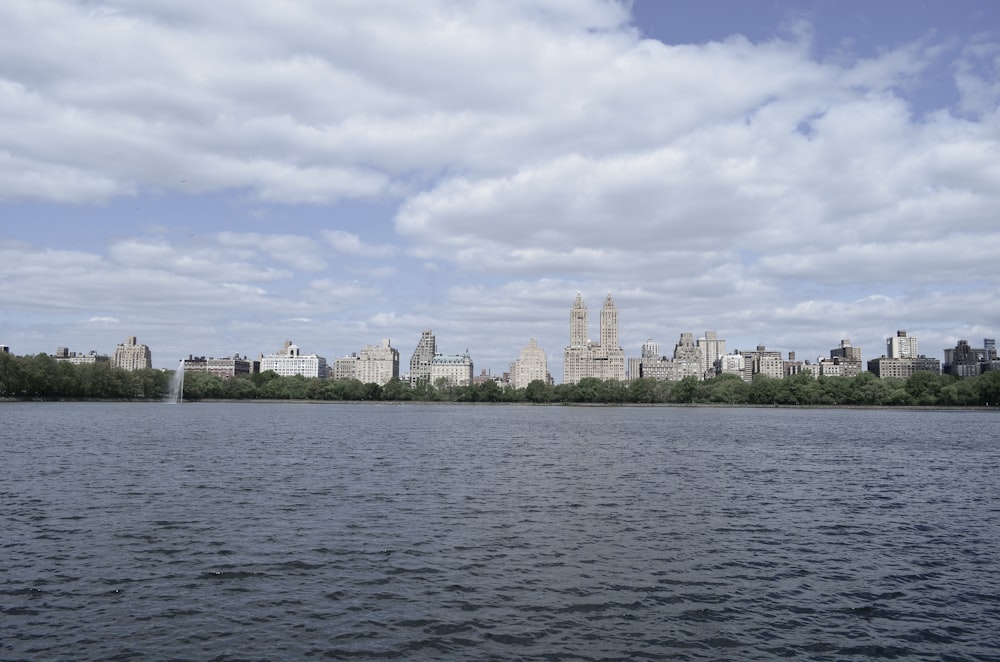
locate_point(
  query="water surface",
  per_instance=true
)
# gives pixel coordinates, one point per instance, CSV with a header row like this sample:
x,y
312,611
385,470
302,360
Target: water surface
x,y
286,531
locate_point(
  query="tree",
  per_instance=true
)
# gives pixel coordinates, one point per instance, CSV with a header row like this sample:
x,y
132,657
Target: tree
x,y
686,390
538,391
924,387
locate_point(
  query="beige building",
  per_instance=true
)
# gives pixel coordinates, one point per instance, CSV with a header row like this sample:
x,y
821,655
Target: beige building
x,y
345,367
378,363
130,355
583,358
529,366
451,369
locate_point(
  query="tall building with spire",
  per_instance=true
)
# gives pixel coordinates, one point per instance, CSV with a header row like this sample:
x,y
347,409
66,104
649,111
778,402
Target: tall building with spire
x,y
604,359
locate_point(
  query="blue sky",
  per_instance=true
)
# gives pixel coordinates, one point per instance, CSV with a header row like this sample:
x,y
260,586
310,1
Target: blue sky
x,y
216,178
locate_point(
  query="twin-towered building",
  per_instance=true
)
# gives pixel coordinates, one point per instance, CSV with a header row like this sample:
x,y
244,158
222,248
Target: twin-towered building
x,y
583,357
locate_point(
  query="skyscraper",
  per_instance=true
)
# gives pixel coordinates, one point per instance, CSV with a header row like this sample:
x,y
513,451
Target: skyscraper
x,y
423,356
583,358
901,346
531,365
130,355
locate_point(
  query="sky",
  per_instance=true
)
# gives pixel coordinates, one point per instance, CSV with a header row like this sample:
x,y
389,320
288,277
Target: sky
x,y
215,178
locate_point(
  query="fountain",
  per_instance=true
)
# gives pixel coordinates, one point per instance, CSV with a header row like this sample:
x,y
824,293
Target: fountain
x,y
177,385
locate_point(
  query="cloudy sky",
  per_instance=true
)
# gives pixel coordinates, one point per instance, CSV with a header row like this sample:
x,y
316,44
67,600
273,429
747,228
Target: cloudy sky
x,y
218,177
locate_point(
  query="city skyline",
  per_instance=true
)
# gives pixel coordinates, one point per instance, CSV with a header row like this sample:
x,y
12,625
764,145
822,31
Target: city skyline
x,y
789,175
588,354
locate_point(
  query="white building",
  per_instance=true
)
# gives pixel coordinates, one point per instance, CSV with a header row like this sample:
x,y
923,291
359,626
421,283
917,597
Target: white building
x,y
290,361
901,346
132,356
712,347
529,366
582,358
453,369
378,363
733,364
63,354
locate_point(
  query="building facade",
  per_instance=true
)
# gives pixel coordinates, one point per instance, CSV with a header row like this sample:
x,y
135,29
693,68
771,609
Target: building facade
x,y
583,358
901,346
130,355
290,361
224,368
378,364
63,354
451,370
886,367
530,365
423,356
712,347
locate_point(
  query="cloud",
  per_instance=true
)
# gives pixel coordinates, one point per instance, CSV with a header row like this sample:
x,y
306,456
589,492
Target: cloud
x,y
351,244
523,150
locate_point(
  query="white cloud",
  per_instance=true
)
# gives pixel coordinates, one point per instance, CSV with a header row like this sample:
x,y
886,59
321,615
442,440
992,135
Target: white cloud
x,y
529,149
351,244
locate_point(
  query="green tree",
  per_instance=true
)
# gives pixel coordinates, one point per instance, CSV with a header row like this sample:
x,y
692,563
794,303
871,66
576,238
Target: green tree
x,y
988,387
538,391
924,387
11,376
686,390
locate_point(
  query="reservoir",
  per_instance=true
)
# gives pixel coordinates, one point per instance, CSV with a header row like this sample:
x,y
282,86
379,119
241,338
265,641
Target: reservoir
x,y
246,531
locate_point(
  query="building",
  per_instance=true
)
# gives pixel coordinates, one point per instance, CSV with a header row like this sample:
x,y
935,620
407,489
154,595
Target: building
x,y
224,368
345,367
765,362
712,347
583,358
423,356
964,360
64,355
686,362
846,352
530,365
132,356
378,364
290,361
733,364
451,369
901,346
844,361
886,367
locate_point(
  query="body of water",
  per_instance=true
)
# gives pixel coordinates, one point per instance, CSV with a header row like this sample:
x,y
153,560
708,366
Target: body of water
x,y
289,531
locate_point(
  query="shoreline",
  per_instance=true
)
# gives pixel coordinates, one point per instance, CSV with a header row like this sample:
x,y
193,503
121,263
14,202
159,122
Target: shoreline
x,y
699,405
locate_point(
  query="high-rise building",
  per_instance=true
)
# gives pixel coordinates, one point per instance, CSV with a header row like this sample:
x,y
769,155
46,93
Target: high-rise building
x,y
378,363
603,360
130,355
847,352
964,360
712,347
901,346
423,356
531,365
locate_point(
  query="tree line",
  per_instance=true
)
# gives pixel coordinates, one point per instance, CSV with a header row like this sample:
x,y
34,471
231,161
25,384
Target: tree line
x,y
41,376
